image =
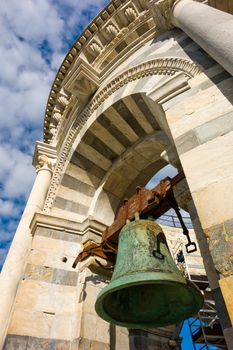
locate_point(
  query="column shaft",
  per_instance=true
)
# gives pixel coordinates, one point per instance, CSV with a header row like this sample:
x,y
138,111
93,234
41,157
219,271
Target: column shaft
x,y
210,28
14,264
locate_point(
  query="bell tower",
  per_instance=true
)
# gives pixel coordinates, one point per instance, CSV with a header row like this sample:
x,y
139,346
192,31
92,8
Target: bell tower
x,y
148,83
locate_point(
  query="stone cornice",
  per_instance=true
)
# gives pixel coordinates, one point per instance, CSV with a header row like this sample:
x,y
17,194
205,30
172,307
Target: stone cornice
x,y
161,66
87,228
122,27
97,41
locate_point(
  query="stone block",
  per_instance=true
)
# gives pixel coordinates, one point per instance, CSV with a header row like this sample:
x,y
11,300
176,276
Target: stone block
x,y
186,142
74,196
57,234
84,344
15,342
226,285
58,299
209,163
102,331
81,175
56,247
63,326
68,278
36,272
89,321
213,203
198,109
122,338
27,294
221,308
220,240
97,345
228,333
37,257
37,343
214,128
31,323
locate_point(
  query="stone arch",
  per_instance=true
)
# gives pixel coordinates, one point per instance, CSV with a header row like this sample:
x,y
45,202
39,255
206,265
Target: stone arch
x,y
124,120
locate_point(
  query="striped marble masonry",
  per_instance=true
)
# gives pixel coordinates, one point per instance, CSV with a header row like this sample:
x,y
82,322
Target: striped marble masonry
x,y
125,124
121,149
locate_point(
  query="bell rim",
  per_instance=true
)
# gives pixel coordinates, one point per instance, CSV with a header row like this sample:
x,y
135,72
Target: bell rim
x,y
118,284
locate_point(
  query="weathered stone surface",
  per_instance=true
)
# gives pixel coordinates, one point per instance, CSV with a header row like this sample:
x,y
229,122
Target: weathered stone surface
x,y
15,342
37,343
19,342
140,339
226,285
220,239
37,272
221,308
31,322
48,274
86,344
68,278
228,333
58,234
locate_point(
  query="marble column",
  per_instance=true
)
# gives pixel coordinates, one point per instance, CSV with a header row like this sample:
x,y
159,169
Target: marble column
x,y
12,270
210,28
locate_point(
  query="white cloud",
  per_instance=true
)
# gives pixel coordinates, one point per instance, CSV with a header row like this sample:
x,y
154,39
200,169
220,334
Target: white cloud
x,y
8,208
16,172
34,21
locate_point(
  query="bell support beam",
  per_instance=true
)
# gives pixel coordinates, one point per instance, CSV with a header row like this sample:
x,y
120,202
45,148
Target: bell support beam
x,y
144,203
210,28
11,273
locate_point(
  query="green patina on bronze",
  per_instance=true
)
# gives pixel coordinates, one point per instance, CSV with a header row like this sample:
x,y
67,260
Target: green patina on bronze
x,y
147,289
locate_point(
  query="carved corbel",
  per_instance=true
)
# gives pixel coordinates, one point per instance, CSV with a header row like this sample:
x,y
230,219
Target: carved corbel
x,y
111,30
57,116
96,48
63,97
84,80
131,13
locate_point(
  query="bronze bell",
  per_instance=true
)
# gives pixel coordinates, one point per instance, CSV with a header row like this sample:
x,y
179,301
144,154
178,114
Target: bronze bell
x,y
147,289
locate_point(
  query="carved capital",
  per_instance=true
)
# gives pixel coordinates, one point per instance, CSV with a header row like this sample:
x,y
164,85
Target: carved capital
x,y
161,11
45,157
45,163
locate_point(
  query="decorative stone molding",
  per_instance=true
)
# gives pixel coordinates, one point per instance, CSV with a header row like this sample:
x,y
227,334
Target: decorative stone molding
x,y
111,30
98,41
63,98
96,48
57,116
131,13
88,228
161,66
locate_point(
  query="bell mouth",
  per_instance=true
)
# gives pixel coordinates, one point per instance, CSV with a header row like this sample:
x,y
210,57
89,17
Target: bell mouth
x,y
148,304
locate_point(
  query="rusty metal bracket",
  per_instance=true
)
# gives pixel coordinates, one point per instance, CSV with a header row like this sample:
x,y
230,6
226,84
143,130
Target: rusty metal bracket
x,y
190,246
154,202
